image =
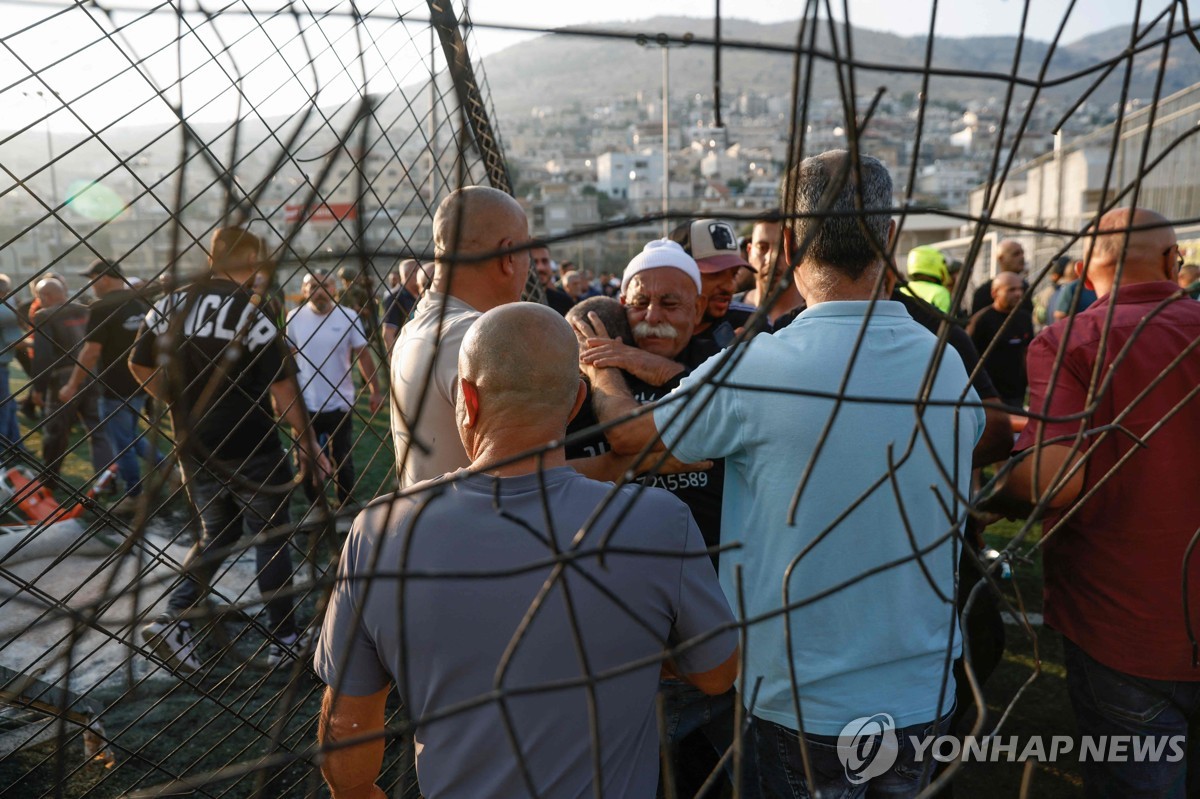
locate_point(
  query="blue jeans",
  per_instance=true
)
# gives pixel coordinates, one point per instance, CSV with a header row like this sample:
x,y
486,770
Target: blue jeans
x,y
686,709
128,443
781,767
10,433
229,509
1110,702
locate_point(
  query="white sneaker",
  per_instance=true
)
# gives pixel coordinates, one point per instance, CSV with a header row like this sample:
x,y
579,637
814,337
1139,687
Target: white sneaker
x,y
171,639
285,650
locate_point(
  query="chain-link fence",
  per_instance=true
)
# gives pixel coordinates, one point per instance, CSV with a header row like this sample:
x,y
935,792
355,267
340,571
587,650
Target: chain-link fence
x,y
236,185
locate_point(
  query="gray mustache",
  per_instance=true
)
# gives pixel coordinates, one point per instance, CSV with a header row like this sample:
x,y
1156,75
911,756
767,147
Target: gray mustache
x,y
646,330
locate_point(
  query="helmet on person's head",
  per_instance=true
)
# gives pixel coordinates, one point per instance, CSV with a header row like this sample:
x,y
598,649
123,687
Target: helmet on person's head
x,y
929,262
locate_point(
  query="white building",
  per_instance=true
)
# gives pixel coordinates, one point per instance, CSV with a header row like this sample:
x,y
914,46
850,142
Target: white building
x,y
617,172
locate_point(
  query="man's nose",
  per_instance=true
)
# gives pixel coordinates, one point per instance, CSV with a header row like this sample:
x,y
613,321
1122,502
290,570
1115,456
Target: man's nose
x,y
654,313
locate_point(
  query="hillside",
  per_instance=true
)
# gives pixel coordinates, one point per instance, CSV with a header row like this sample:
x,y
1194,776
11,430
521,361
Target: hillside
x,y
561,68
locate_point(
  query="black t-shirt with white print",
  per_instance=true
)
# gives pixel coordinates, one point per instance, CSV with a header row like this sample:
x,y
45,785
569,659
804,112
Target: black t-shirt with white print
x,y
221,329
700,491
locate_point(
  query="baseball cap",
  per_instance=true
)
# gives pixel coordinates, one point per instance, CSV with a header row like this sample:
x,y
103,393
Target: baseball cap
x,y
101,266
713,244
660,253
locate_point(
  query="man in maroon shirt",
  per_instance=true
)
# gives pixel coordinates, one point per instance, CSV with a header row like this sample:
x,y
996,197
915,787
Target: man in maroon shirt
x,y
1121,512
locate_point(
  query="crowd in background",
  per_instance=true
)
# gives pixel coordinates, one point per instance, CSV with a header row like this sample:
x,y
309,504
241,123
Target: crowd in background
x,y
681,417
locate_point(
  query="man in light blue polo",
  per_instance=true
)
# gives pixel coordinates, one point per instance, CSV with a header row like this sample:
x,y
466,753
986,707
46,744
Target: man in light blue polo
x,y
829,502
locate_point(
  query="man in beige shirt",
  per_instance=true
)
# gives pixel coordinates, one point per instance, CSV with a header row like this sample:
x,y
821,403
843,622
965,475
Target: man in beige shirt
x,y
474,232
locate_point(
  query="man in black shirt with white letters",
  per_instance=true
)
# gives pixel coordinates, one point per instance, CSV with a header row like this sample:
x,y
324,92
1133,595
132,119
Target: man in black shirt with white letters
x,y
212,356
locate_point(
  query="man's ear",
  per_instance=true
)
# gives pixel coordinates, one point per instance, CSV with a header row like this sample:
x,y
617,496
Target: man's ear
x,y
891,235
891,275
470,395
1172,266
701,307
580,397
508,263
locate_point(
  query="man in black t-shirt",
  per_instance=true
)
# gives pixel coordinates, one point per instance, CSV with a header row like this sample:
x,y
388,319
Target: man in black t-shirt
x,y
398,304
556,298
1010,257
58,331
1005,362
661,294
218,362
113,322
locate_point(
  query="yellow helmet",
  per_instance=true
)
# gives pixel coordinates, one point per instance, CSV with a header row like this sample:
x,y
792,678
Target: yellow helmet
x,y
930,262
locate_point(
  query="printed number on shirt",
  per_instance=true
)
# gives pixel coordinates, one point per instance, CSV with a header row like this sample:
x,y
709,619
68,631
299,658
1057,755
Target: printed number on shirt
x,y
675,482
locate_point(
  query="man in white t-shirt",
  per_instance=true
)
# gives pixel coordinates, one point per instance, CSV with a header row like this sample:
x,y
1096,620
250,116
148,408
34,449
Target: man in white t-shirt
x,y
328,340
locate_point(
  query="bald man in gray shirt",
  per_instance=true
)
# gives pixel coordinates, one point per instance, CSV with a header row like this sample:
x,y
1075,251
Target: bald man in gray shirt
x,y
499,635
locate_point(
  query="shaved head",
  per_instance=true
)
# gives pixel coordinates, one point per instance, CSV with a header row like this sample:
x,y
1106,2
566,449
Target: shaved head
x,y
1114,226
408,269
50,292
1005,280
1150,251
1007,290
1010,256
517,380
478,233
471,220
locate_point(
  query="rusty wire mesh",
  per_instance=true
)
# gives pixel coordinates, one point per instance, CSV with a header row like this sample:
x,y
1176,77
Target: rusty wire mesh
x,y
331,134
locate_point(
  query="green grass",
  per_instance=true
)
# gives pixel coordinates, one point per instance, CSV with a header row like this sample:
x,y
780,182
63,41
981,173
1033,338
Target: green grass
x,y
1039,708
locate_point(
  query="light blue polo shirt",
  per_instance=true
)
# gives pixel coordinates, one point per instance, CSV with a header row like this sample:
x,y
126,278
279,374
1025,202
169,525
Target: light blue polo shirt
x,y
859,646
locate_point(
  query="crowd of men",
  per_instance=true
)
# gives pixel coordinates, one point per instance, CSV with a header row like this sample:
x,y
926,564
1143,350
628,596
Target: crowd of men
x,y
737,477
833,523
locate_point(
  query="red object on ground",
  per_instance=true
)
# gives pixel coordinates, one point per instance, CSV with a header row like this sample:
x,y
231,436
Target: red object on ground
x,y
33,499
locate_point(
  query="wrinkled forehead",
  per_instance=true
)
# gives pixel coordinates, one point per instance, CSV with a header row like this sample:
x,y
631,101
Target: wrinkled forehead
x,y
661,283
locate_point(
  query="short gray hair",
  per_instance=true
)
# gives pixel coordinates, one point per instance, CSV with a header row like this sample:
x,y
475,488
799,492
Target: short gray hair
x,y
839,241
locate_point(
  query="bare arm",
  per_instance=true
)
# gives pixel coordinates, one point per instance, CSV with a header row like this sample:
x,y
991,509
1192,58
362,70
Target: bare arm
x,y
85,367
612,468
996,441
351,772
390,334
1017,494
289,407
719,680
611,400
366,367
656,370
151,380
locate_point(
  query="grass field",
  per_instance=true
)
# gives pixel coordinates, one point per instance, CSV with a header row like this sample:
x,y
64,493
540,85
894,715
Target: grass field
x,y
165,728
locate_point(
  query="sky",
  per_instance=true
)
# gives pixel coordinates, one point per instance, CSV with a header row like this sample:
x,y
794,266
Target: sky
x,y
62,50
905,17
